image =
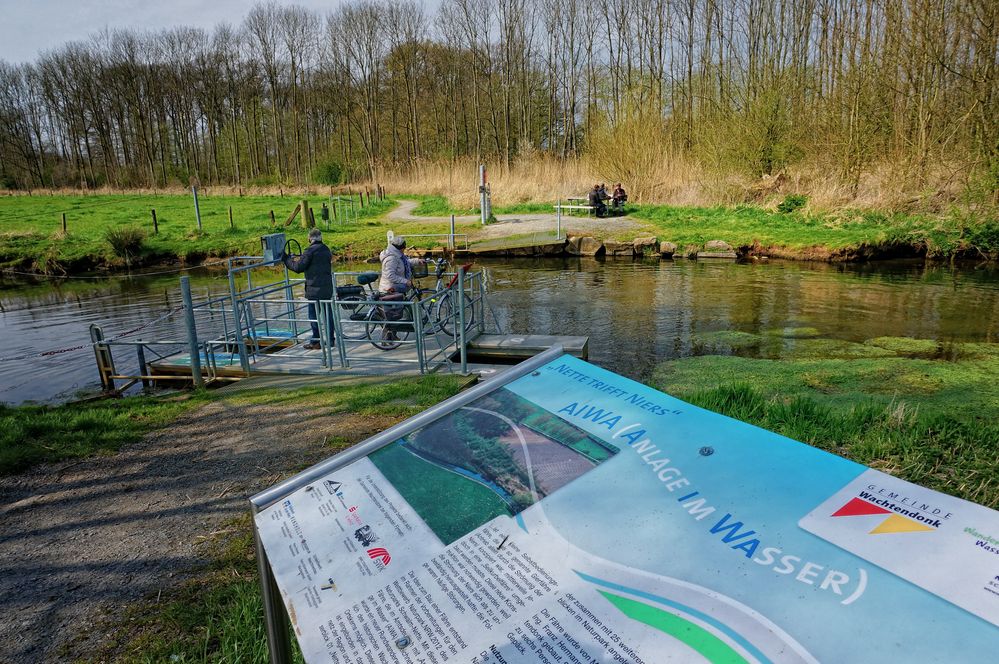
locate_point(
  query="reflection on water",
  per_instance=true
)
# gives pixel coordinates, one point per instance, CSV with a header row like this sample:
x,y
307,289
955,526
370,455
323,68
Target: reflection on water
x,y
639,313
635,313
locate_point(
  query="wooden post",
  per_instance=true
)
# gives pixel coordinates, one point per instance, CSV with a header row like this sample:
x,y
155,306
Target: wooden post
x,y
156,226
273,221
306,221
231,225
312,218
64,223
281,191
240,192
333,206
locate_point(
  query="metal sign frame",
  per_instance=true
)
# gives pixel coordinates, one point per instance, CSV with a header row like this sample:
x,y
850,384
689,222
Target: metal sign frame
x,y
275,615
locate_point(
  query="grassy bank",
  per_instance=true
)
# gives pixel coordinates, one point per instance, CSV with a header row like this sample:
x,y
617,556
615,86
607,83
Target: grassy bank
x,y
797,234
923,411
31,237
30,435
843,235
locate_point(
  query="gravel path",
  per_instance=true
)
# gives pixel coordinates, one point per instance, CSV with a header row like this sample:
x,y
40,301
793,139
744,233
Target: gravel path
x,y
526,224
80,540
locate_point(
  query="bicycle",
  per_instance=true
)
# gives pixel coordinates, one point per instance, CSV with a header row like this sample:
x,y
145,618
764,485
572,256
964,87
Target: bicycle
x,y
443,302
351,299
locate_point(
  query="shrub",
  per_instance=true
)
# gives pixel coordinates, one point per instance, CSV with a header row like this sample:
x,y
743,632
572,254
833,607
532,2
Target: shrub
x,y
126,242
328,172
791,203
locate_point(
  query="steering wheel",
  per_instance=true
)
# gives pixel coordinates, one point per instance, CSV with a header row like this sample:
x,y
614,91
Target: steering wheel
x,y
287,246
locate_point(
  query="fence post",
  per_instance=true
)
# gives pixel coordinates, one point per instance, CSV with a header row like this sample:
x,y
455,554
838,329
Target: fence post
x,y
197,210
306,222
273,220
558,220
231,225
450,239
460,293
140,353
156,226
63,223
338,330
105,361
192,332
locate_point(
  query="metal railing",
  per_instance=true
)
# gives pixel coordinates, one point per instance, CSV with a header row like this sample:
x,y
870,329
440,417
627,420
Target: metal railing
x,y
259,324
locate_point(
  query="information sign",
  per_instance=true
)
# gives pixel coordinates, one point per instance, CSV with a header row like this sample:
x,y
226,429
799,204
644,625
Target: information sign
x,y
576,516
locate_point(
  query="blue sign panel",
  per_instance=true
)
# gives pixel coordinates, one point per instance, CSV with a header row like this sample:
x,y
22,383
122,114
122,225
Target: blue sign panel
x,y
574,515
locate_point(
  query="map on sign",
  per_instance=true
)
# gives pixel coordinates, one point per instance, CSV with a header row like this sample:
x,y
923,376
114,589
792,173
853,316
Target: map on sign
x,y
573,515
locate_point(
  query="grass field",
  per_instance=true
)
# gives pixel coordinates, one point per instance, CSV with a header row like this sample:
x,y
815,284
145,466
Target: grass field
x,y
450,504
31,238
925,412
31,235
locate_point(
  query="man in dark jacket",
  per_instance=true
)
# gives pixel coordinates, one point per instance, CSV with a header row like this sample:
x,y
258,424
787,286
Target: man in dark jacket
x,y
594,200
316,263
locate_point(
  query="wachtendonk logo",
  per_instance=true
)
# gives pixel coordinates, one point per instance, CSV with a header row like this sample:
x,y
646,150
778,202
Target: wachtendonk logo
x,y
907,521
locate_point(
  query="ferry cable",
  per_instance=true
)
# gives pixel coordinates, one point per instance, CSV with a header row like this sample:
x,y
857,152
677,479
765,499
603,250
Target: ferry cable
x,y
60,351
112,276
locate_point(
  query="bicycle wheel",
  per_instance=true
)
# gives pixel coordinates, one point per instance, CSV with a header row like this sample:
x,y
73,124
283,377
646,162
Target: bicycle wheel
x,y
353,317
446,314
428,307
382,334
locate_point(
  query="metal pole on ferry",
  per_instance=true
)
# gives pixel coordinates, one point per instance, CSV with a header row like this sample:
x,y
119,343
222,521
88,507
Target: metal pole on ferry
x,y
460,294
244,361
192,332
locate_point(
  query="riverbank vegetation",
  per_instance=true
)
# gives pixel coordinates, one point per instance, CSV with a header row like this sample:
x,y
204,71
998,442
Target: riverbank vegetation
x,y
915,408
116,232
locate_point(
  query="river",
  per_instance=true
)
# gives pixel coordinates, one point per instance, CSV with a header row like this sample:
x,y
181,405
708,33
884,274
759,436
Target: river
x,y
636,313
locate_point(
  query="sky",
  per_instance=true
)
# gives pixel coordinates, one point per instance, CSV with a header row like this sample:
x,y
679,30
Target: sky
x,y
29,27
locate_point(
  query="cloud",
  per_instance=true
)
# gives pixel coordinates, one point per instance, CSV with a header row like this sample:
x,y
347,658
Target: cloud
x,y
33,26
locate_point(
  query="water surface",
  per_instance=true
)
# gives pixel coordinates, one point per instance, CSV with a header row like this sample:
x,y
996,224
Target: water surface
x,y
636,313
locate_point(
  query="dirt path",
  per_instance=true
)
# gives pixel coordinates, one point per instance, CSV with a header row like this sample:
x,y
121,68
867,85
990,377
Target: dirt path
x,y
525,224
80,540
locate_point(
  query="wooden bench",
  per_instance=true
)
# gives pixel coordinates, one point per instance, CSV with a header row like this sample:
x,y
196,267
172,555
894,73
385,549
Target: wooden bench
x,y
589,208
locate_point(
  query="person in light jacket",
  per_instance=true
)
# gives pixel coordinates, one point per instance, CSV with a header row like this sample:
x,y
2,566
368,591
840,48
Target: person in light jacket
x,y
397,272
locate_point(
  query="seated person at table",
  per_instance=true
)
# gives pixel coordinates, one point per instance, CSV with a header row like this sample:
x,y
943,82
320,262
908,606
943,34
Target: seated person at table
x,y
603,192
620,197
594,200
